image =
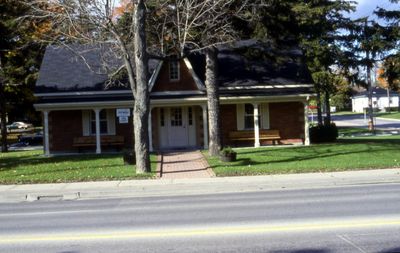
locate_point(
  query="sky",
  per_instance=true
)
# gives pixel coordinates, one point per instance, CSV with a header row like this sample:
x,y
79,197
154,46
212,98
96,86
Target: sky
x,y
366,7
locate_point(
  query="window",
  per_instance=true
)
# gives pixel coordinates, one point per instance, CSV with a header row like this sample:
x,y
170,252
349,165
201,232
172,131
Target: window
x,y
248,116
176,116
106,120
190,115
103,122
245,116
174,70
162,117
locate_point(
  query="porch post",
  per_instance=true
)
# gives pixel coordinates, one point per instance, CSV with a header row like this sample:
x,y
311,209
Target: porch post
x,y
46,133
306,125
256,127
98,139
205,126
149,126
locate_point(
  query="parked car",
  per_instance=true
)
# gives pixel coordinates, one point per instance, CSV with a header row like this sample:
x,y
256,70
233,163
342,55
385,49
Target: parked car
x,y
19,125
31,139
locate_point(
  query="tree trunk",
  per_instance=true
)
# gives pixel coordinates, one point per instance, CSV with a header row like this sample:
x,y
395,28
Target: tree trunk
x,y
370,107
319,108
3,116
142,101
328,109
213,101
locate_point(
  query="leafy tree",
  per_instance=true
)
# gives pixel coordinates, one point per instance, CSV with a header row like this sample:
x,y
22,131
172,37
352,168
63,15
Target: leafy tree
x,y
312,25
367,44
391,64
20,56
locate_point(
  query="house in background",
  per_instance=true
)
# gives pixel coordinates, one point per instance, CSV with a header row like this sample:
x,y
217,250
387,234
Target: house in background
x,y
380,100
259,94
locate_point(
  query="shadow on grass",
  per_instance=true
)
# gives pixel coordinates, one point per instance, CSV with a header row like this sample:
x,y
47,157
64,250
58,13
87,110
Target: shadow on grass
x,y
11,162
298,154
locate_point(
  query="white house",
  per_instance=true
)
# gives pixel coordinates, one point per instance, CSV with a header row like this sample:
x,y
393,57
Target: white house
x,y
380,100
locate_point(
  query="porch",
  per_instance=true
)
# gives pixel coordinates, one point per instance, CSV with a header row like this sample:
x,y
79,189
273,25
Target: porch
x,y
176,126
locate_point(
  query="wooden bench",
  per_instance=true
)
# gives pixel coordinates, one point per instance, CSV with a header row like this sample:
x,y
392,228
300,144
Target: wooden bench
x,y
105,140
248,135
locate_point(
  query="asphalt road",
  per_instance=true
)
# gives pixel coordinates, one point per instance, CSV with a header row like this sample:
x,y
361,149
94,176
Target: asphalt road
x,y
358,120
362,218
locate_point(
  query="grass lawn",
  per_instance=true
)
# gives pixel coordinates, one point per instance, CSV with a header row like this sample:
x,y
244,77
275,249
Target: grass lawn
x,y
22,167
346,113
392,115
346,154
354,131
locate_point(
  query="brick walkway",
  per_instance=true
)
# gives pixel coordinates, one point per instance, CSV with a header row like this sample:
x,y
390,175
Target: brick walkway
x,y
184,164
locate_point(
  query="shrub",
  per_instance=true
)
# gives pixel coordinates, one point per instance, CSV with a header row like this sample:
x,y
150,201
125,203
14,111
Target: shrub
x,y
323,133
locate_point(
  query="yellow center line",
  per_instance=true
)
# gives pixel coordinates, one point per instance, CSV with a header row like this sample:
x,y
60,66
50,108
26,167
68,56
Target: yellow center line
x,y
199,232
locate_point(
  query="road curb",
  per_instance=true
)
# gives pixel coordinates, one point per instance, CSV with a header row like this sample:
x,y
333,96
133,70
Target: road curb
x,y
174,187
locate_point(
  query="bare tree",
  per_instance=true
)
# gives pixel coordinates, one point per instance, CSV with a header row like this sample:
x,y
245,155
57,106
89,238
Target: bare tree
x,y
91,22
186,26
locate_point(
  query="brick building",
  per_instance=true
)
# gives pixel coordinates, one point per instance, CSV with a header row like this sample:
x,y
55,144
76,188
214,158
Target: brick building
x,y
260,91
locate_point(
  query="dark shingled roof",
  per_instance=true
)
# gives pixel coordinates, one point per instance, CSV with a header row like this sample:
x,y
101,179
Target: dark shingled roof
x,y
245,68
78,68
251,62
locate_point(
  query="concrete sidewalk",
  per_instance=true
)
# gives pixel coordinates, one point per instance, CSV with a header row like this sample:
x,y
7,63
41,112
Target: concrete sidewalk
x,y
171,187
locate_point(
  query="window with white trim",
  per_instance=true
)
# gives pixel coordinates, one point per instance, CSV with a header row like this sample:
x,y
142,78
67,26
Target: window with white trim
x,y
103,122
107,122
174,71
245,116
249,116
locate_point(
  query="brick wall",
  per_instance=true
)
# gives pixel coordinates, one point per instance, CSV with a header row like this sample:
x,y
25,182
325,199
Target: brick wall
x,y
185,83
228,122
125,130
63,127
288,118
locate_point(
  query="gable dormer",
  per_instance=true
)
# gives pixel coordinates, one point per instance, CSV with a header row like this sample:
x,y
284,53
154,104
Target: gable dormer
x,y
176,75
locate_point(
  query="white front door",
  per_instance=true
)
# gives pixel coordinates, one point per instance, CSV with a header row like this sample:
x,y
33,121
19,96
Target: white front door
x,y
178,136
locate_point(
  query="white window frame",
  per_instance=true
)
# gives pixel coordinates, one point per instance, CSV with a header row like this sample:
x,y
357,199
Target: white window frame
x,y
87,120
249,115
263,116
102,119
174,70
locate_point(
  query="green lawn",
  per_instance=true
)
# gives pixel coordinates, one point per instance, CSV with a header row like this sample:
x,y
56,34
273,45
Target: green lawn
x,y
392,115
21,167
346,113
346,154
354,131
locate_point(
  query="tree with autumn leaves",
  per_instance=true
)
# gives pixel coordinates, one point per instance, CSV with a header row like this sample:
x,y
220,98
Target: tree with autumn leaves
x,y
21,51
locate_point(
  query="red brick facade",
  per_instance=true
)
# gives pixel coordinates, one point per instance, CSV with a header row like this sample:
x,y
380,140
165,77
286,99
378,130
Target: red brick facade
x,y
287,117
185,83
63,127
125,130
